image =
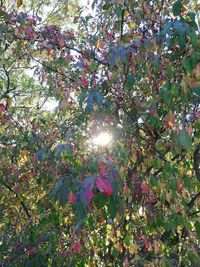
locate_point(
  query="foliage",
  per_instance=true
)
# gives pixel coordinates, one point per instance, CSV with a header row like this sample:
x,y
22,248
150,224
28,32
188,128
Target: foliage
x,y
130,68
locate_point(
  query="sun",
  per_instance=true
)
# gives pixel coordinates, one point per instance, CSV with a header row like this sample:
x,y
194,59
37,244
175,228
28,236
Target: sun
x,y
102,139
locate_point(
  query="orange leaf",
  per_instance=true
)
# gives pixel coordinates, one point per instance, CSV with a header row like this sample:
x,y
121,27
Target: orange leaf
x,y
169,120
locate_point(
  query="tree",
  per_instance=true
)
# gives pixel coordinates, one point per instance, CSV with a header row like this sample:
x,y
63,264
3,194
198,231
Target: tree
x,y
128,72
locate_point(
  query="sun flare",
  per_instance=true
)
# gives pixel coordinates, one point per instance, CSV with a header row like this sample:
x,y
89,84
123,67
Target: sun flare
x,y
102,139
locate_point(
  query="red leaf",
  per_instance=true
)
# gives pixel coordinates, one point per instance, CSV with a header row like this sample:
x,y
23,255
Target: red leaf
x,y
89,196
104,185
153,112
147,244
31,251
144,187
71,198
77,246
84,81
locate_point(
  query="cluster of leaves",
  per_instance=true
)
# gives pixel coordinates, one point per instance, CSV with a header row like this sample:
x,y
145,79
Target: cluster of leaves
x,y
131,69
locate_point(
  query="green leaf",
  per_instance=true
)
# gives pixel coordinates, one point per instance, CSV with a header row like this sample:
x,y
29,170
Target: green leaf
x,y
90,103
112,209
187,64
197,227
98,98
177,7
156,62
130,81
184,140
194,259
180,28
63,148
100,200
127,240
41,154
60,191
196,91
107,6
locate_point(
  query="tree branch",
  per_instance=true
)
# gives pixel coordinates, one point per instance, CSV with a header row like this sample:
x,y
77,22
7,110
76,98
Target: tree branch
x,y
122,23
17,196
192,201
196,162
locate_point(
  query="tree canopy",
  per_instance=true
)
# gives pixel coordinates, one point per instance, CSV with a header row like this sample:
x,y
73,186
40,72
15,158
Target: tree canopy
x,y
99,133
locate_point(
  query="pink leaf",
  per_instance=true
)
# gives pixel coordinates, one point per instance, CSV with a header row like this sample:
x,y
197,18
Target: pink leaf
x,y
31,21
104,185
2,107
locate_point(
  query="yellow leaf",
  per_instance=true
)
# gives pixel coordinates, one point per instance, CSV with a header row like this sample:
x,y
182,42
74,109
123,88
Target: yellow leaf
x,y
196,71
156,246
99,43
19,3
8,102
184,85
134,156
133,248
132,25
64,104
168,197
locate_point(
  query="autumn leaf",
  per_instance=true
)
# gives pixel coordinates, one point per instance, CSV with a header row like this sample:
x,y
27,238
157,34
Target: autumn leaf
x,y
89,196
101,219
196,71
77,247
169,120
180,185
144,187
134,156
84,82
31,251
2,107
19,3
126,262
104,185
132,25
156,247
147,244
61,41
71,198
126,190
